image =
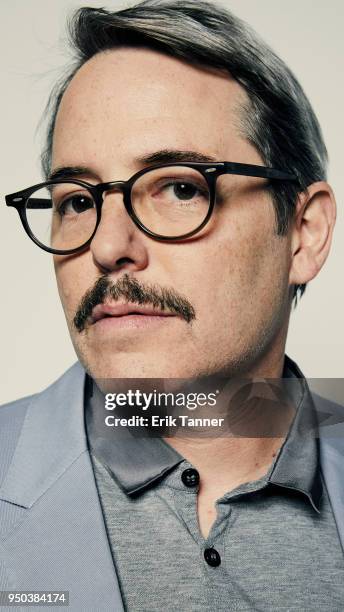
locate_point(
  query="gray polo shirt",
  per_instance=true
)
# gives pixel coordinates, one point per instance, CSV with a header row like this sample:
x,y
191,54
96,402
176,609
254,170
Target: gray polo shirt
x,y
273,546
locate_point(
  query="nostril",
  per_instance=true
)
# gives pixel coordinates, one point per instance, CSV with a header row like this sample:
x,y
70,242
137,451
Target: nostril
x,y
124,260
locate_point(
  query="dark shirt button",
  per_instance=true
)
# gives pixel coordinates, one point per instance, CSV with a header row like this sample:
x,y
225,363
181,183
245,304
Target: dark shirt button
x,y
190,477
212,557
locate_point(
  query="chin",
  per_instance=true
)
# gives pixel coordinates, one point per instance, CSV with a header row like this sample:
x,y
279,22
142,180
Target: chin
x,y
133,366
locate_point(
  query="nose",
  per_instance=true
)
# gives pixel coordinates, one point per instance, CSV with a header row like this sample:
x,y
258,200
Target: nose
x,y
118,244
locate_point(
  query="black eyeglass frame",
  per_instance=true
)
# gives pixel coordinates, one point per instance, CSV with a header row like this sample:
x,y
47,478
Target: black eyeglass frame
x,y
210,172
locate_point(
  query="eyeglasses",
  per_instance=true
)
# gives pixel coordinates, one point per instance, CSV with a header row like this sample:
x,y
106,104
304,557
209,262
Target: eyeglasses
x,y
166,201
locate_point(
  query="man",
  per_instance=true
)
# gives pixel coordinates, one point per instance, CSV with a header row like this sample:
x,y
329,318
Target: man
x,y
187,206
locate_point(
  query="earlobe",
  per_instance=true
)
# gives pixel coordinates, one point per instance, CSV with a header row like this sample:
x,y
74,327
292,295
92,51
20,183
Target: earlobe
x,y
312,231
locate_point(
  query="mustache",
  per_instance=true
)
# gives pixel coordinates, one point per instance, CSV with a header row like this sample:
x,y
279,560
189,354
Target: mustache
x,y
134,292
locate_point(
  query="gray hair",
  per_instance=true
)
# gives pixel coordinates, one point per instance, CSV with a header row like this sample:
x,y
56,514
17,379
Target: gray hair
x,y
278,119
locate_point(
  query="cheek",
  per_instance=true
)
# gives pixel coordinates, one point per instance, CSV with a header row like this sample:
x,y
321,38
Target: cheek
x,y
72,283
241,281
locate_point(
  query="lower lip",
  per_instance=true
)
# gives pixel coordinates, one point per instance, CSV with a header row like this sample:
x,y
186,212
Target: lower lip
x,y
132,321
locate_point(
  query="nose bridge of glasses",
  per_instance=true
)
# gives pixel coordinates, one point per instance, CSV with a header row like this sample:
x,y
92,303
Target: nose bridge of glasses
x,y
111,187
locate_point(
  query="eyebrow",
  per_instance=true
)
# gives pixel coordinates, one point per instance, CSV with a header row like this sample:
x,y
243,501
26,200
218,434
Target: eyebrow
x,y
164,156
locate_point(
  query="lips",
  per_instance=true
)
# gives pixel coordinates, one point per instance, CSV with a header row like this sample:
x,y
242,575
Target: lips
x,y
121,310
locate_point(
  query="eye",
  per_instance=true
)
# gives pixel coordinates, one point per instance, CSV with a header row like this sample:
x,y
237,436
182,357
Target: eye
x,y
75,205
183,190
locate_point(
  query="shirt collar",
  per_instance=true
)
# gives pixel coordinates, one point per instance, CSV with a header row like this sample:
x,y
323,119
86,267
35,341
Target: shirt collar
x,y
137,462
297,465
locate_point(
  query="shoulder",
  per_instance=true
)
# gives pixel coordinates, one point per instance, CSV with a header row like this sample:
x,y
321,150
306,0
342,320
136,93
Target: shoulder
x,y
330,416
330,413
323,402
12,416
14,412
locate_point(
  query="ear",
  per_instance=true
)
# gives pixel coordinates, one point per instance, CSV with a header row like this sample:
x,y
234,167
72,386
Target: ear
x,y
311,236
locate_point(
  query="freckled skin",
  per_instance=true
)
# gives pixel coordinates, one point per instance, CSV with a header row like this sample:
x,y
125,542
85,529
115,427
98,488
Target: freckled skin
x,y
235,272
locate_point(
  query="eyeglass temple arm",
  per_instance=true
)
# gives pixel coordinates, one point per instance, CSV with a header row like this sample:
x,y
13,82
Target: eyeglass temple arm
x,y
36,203
258,171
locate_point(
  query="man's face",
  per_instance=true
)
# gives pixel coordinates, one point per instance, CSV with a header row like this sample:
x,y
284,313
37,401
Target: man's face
x,y
126,104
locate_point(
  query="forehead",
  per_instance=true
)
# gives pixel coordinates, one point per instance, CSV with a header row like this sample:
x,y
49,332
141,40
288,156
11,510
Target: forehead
x,y
128,101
